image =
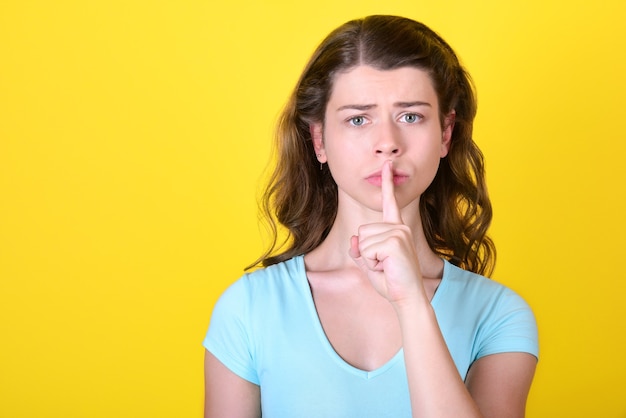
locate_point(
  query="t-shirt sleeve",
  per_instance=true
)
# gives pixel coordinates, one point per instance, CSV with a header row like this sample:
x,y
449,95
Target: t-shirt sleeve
x,y
512,328
228,337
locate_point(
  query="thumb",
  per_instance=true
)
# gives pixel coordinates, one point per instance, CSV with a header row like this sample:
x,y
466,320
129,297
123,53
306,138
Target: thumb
x,y
354,251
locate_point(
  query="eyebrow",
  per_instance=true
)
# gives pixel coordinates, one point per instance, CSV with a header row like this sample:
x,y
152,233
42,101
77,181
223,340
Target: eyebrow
x,y
363,107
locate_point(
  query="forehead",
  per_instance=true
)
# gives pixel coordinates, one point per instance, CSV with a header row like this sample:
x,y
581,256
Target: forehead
x,y
366,84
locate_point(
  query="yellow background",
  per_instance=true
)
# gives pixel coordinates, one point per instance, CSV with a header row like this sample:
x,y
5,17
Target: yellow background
x,y
133,135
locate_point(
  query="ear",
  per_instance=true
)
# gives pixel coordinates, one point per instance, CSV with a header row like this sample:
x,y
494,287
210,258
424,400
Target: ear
x,y
317,137
446,136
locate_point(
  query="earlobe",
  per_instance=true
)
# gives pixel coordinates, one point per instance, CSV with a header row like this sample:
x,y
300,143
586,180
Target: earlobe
x,y
446,136
317,137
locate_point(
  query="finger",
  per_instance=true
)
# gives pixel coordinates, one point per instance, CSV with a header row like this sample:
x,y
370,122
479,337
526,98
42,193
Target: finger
x,y
363,261
354,251
355,254
391,212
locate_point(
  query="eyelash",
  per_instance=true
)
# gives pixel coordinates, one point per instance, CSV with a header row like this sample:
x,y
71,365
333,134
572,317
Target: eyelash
x,y
403,117
353,118
417,116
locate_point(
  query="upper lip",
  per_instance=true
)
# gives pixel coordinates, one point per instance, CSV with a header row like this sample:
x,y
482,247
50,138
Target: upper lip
x,y
379,173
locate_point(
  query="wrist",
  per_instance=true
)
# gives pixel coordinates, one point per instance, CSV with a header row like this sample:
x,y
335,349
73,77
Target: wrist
x,y
412,305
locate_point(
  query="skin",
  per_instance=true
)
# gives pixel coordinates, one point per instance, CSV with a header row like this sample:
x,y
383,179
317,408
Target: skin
x,y
373,277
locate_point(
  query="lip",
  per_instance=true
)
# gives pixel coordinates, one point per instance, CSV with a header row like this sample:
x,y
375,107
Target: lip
x,y
376,178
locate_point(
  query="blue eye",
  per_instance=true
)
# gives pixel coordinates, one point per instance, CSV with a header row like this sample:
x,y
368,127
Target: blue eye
x,y
357,120
411,118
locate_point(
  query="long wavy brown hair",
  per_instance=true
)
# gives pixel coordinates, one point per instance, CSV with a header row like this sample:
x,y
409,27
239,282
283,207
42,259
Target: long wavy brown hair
x,y
455,209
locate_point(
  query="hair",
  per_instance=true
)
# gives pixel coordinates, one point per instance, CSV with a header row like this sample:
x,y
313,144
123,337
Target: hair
x,y
455,209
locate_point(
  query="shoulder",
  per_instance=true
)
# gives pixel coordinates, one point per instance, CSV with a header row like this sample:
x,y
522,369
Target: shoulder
x,y
247,313
287,270
263,285
477,289
499,319
277,276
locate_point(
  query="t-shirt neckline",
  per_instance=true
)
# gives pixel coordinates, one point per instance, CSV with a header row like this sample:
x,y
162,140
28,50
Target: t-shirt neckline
x,y
319,330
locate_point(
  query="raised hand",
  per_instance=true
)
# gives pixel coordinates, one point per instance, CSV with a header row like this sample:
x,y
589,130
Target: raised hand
x,y
386,251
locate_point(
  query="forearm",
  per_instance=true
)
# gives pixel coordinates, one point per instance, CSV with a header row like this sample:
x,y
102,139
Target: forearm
x,y
435,387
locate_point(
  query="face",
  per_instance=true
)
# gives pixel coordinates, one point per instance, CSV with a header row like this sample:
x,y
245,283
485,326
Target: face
x,y
373,116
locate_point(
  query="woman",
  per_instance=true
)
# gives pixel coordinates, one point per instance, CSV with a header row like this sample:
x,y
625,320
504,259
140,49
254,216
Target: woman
x,y
377,306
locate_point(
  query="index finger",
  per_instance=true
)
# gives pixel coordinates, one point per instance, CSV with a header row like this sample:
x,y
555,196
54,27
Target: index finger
x,y
391,212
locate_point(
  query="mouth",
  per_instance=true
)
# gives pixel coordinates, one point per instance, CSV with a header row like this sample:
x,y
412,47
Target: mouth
x,y
376,179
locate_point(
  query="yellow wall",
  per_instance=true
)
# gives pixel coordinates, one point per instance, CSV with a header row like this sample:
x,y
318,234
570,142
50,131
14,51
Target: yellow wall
x,y
132,138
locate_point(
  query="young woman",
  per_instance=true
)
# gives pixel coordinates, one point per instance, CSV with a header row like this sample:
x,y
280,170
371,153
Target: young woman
x,y
377,307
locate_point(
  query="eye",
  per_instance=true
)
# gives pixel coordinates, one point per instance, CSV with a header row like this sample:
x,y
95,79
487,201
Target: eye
x,y
410,118
357,121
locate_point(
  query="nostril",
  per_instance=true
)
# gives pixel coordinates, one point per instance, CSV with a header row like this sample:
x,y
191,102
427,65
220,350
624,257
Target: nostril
x,y
390,151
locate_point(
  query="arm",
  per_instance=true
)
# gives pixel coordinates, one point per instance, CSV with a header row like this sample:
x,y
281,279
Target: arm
x,y
500,383
497,385
226,394
435,387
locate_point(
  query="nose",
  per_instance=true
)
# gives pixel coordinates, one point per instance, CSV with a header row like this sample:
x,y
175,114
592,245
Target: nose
x,y
388,142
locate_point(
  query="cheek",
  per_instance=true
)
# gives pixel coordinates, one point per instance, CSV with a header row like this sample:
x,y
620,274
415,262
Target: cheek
x,y
428,163
342,147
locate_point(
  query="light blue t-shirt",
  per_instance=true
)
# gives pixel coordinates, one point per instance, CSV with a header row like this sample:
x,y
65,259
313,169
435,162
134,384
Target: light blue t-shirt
x,y
265,329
